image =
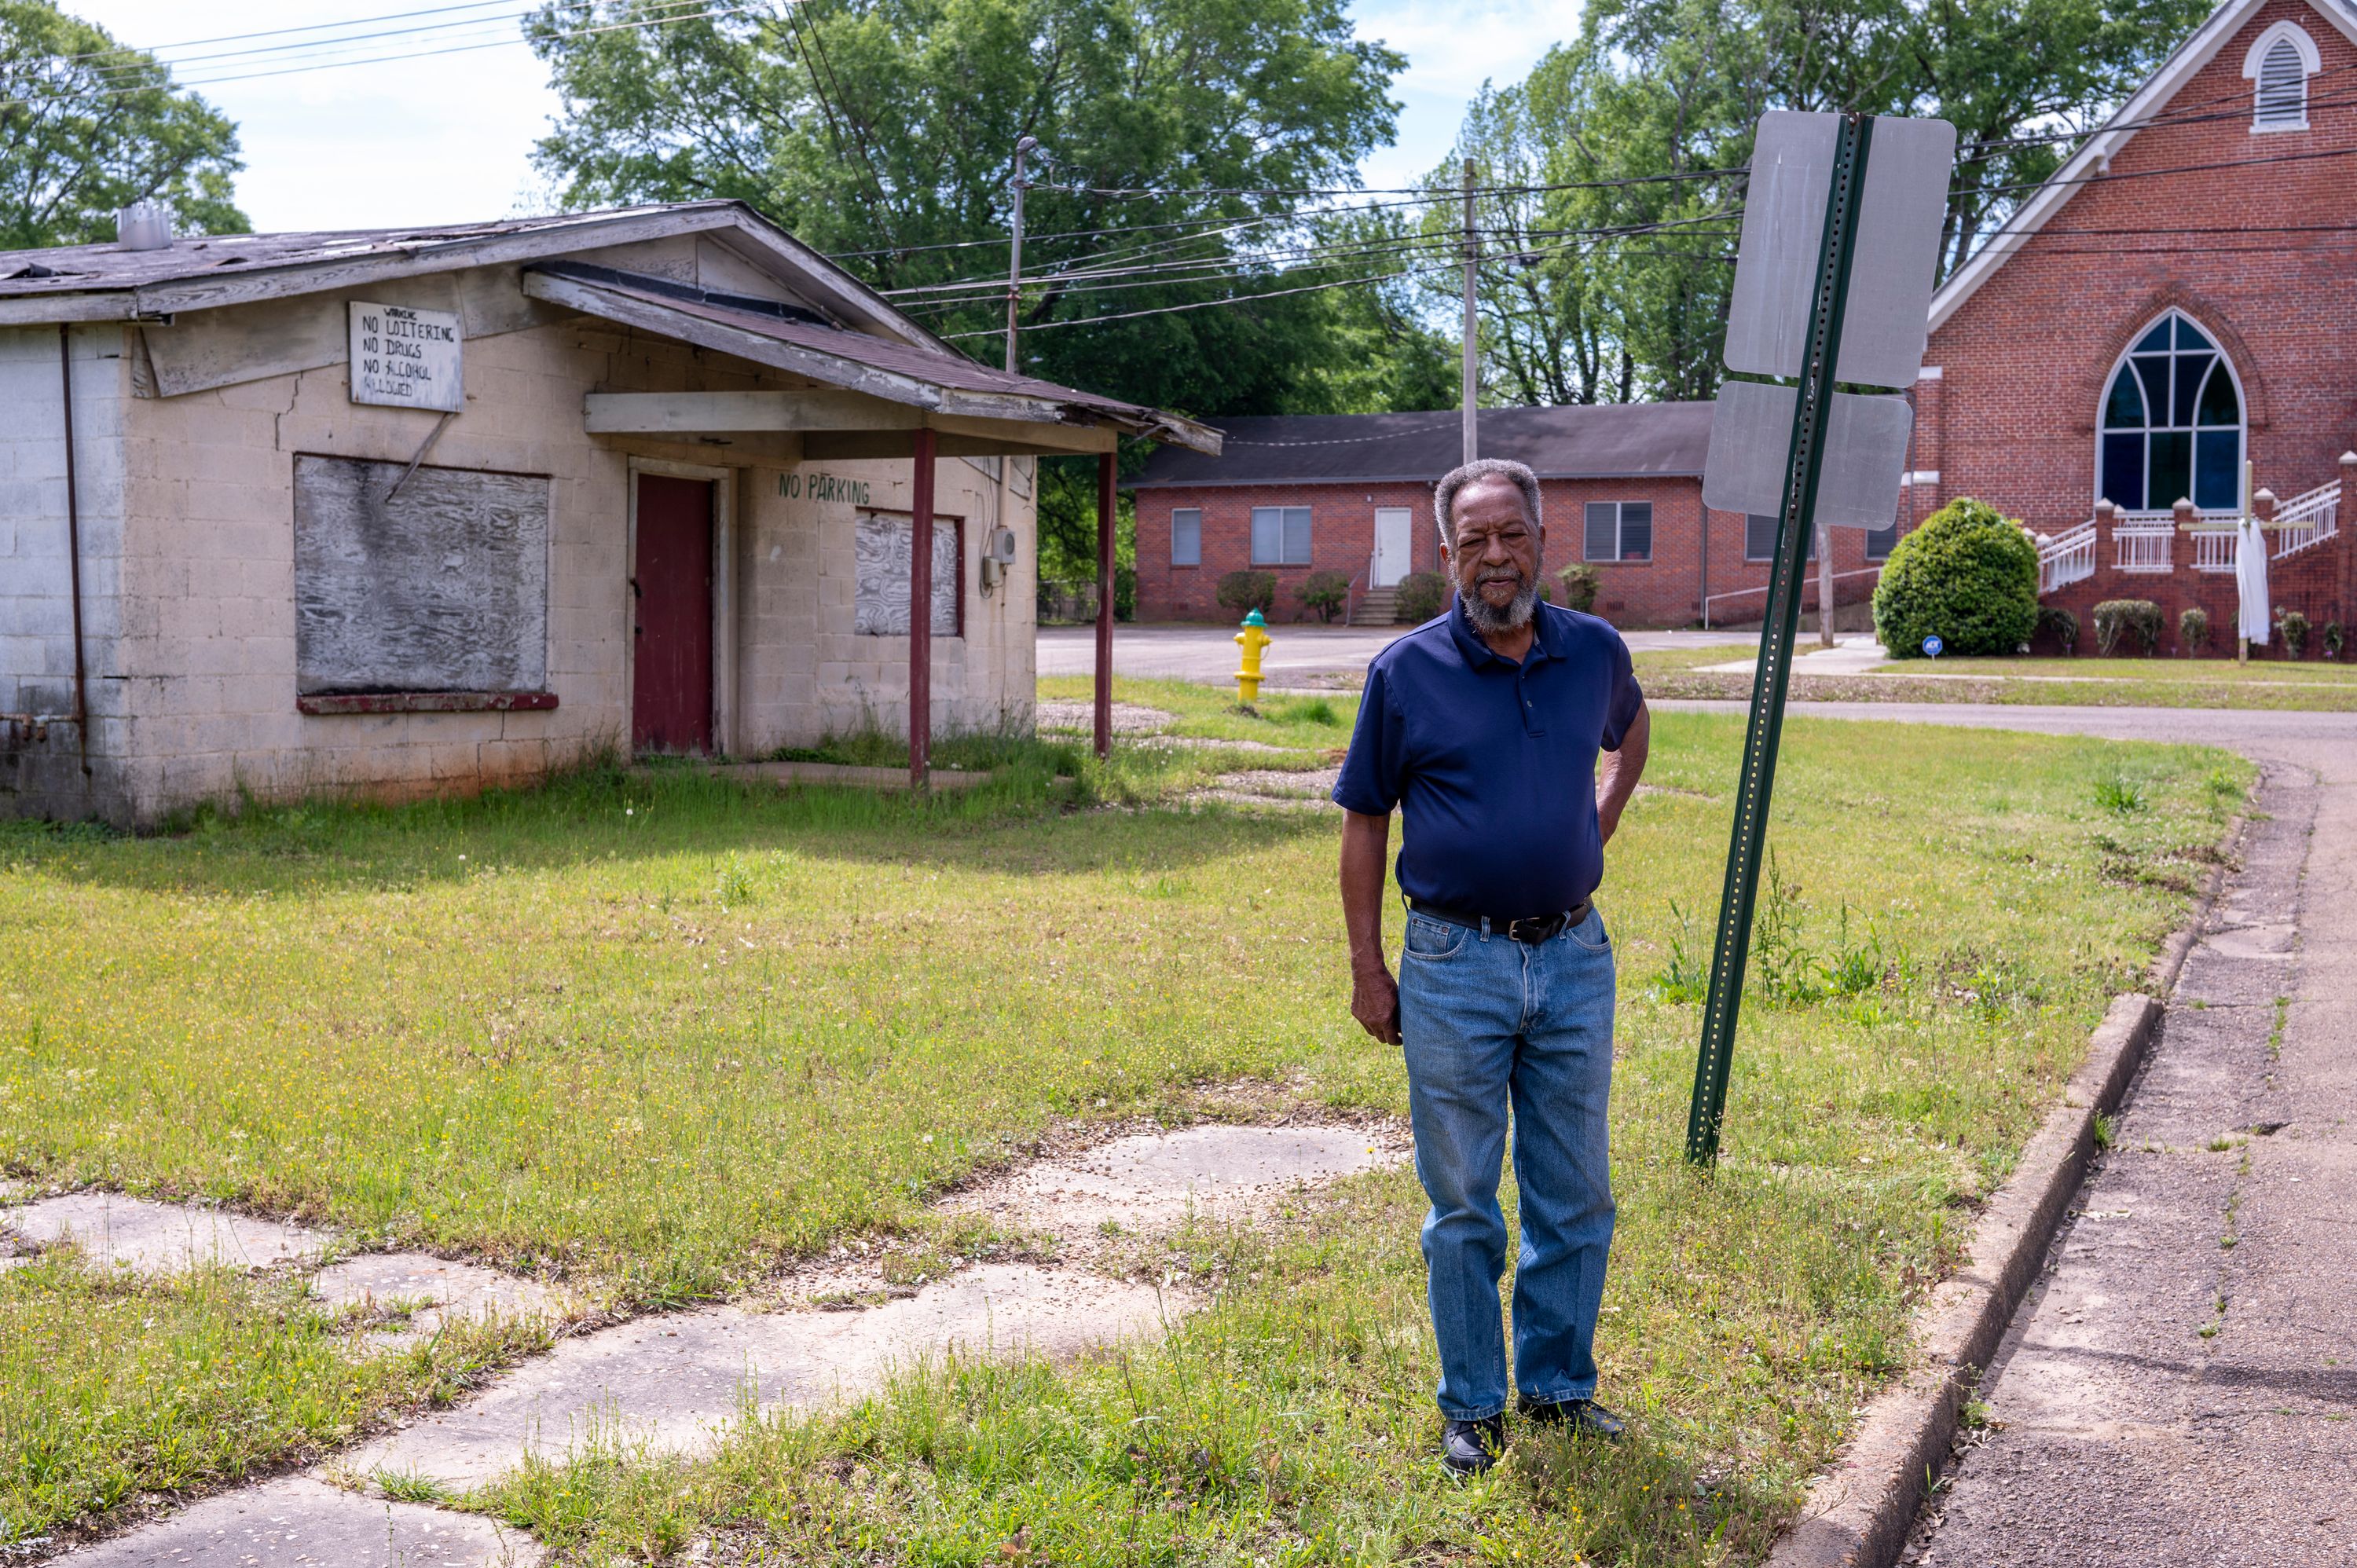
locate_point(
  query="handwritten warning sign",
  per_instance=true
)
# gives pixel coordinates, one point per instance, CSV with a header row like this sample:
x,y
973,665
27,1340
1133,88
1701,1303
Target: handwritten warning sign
x,y
405,358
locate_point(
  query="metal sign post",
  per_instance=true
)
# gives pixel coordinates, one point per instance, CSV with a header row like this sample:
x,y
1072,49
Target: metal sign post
x,y
1841,452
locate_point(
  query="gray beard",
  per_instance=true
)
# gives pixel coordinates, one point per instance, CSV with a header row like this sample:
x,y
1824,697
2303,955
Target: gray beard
x,y
1492,622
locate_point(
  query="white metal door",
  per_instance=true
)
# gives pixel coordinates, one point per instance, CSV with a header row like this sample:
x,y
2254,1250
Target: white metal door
x,y
1394,536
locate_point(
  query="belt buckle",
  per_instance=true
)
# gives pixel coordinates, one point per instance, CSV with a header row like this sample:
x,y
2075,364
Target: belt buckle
x,y
1534,927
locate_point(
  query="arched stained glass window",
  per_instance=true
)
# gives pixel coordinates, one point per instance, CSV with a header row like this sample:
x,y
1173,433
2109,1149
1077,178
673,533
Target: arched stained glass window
x,y
2172,424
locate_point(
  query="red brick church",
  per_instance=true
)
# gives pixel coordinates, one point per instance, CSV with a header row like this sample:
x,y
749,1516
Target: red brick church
x,y
2180,298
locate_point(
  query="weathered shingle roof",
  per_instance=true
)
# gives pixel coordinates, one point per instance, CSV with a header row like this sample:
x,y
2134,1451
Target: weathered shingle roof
x,y
901,369
108,282
851,336
1606,441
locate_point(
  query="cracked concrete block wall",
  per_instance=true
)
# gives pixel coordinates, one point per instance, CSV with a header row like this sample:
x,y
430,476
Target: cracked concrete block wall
x,y
189,587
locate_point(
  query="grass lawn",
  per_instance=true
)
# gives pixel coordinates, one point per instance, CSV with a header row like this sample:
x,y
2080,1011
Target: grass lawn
x,y
2062,682
112,1387
661,1035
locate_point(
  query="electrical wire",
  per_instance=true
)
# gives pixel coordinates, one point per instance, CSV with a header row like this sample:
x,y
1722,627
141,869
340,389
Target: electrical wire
x,y
283,32
323,48
169,85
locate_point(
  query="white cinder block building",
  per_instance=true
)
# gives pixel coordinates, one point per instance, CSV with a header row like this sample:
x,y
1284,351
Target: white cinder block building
x,y
420,509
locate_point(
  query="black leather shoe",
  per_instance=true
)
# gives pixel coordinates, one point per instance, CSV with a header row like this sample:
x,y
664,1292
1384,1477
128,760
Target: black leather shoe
x,y
1585,1418
1470,1447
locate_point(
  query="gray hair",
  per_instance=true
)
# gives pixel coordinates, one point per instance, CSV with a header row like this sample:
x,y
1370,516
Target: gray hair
x,y
1444,494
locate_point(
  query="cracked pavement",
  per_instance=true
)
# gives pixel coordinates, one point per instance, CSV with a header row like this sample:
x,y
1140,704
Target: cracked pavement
x,y
2182,1387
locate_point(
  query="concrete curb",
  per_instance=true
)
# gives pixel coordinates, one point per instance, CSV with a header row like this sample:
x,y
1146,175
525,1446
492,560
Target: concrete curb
x,y
1860,1512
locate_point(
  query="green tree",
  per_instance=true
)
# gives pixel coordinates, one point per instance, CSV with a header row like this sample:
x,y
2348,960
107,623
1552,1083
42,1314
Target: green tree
x,y
88,126
881,131
1613,285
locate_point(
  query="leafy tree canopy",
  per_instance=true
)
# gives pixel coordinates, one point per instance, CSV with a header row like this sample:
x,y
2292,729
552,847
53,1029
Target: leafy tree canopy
x,y
882,132
1616,288
88,126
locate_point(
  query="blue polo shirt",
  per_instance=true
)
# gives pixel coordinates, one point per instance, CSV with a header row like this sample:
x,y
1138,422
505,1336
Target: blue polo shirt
x,y
1492,762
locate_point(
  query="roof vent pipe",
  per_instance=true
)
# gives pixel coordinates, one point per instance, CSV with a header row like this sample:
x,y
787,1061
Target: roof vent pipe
x,y
144,226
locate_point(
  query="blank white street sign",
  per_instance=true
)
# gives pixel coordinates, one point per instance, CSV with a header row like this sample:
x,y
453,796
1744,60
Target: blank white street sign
x,y
1857,481
1895,254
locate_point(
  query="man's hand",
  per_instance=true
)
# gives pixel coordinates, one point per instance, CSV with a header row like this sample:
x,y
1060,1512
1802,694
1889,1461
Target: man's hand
x,y
1374,997
1374,1003
1622,770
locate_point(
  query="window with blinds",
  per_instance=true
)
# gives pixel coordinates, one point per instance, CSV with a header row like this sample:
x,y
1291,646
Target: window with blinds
x,y
1186,536
1280,536
1619,531
1759,539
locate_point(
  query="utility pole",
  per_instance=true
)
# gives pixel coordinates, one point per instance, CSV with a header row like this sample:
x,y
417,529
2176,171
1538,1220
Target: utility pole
x,y
1824,587
1472,331
1015,251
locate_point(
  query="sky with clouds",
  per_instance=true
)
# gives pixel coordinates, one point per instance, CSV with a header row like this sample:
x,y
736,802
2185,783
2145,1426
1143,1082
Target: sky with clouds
x,y
448,139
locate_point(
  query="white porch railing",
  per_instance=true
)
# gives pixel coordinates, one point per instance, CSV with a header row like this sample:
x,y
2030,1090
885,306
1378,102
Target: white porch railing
x,y
2066,558
2308,519
2213,549
2142,541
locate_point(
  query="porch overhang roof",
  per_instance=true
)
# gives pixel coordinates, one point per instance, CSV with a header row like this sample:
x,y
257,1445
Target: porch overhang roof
x,y
873,392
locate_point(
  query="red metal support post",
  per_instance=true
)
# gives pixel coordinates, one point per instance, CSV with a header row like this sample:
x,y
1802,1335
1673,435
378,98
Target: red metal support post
x,y
1104,603
920,617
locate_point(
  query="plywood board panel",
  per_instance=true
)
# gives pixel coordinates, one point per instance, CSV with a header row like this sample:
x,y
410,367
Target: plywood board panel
x,y
442,587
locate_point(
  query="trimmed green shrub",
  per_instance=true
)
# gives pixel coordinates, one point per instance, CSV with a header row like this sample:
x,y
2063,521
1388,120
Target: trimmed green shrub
x,y
1325,592
2335,640
2059,623
1421,595
2192,629
1243,591
1967,575
1579,581
2291,630
2118,619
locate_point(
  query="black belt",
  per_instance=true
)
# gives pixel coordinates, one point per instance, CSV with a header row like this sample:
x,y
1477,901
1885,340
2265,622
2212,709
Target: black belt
x,y
1522,928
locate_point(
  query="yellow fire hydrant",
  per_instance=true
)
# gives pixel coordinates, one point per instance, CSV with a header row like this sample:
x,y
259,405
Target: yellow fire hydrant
x,y
1252,639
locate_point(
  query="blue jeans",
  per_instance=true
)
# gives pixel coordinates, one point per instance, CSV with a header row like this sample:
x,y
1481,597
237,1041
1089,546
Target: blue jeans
x,y
1487,1022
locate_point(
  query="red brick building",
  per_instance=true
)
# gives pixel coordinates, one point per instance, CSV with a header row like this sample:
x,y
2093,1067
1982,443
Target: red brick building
x,y
1352,494
2181,298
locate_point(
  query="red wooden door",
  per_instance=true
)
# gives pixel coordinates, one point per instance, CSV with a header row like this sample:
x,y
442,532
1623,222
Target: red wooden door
x,y
671,697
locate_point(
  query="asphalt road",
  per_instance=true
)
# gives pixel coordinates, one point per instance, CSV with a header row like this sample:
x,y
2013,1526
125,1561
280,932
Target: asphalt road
x,y
1300,655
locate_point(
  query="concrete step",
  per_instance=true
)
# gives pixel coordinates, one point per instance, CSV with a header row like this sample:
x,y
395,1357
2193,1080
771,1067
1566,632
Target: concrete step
x,y
1377,607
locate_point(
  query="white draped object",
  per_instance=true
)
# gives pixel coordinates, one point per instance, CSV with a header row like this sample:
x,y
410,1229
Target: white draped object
x,y
2251,579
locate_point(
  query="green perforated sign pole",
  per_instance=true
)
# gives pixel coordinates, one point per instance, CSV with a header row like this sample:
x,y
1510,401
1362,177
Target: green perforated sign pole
x,y
1795,523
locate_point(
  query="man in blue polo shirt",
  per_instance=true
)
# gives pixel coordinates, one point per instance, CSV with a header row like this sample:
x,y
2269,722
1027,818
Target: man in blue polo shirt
x,y
1484,729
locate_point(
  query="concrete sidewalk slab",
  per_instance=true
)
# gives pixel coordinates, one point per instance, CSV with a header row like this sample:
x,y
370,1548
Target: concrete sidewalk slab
x,y
161,1237
1157,1180
438,1291
678,1382
297,1522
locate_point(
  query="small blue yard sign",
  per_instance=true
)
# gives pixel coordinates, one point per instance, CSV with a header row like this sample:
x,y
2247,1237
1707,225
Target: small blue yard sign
x,y
1934,647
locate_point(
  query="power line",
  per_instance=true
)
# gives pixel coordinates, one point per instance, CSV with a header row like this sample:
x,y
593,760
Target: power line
x,y
169,85
321,47
1216,226
1716,258
283,32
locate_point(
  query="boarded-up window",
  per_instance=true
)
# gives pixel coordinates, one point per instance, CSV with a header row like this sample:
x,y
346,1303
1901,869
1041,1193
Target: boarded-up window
x,y
880,605
442,588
